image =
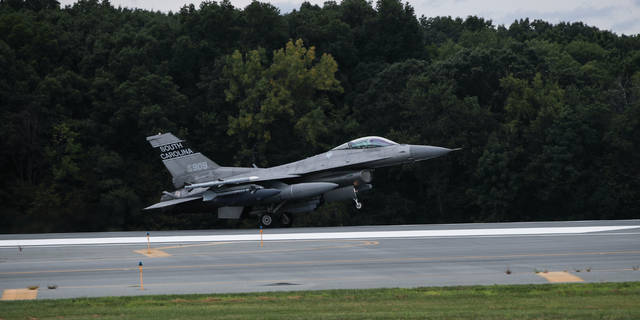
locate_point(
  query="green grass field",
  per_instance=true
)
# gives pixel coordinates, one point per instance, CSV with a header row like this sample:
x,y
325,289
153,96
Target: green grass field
x,y
548,301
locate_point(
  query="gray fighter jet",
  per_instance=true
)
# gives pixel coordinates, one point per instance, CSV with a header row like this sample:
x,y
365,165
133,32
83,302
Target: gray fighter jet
x,y
277,192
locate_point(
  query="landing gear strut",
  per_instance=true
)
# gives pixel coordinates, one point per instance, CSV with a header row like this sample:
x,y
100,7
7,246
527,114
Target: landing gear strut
x,y
355,198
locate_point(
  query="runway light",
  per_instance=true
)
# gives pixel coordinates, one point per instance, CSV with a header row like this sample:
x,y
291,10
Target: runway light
x,y
261,236
141,284
148,244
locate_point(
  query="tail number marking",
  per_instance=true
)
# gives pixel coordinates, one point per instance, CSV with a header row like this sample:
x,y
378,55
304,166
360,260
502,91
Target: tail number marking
x,y
197,167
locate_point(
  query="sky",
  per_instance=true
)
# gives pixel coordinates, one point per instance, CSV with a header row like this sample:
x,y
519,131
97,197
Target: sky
x,y
618,16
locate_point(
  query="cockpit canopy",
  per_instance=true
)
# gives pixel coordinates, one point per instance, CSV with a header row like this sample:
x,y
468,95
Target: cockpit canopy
x,y
365,143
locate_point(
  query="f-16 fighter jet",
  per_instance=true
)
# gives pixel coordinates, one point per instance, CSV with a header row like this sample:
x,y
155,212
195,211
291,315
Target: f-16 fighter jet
x,y
277,193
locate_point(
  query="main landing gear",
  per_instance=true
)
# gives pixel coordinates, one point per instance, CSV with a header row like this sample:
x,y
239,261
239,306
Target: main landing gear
x,y
267,220
286,220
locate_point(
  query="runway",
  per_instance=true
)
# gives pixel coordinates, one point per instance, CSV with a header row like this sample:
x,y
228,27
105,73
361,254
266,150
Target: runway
x,y
229,261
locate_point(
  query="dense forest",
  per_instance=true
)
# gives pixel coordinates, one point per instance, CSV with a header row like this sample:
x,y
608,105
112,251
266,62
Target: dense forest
x,y
547,116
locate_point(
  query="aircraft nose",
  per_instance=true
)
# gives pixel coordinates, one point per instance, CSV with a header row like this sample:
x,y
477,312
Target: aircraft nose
x,y
419,153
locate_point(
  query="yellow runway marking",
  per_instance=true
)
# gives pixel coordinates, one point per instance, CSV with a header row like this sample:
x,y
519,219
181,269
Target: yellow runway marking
x,y
560,276
196,245
332,261
145,252
19,294
154,253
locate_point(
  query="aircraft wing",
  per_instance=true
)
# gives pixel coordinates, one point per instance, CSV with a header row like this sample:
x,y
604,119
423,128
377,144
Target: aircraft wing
x,y
354,165
171,203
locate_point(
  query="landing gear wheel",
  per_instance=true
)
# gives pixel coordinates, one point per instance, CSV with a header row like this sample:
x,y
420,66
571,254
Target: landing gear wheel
x,y
286,220
359,205
267,220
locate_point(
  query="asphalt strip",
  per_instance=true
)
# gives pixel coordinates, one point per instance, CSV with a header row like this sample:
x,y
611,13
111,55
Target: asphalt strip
x,y
317,236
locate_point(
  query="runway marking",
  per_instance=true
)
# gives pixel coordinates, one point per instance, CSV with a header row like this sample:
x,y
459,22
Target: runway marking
x,y
560,276
153,253
19,294
330,262
319,236
361,243
364,243
196,245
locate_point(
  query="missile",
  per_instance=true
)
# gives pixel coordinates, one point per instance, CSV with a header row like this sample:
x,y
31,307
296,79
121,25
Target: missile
x,y
220,183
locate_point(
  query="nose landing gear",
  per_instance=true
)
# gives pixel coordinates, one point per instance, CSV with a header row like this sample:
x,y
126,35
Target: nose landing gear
x,y
355,198
286,219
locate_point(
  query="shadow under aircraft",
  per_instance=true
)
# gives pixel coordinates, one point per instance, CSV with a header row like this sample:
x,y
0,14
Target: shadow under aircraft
x,y
277,193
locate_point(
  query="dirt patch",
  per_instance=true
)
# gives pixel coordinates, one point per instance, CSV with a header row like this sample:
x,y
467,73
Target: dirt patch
x,y
294,297
266,298
211,300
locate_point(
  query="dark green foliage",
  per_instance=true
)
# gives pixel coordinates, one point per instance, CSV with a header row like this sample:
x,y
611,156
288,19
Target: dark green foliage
x,y
548,116
392,35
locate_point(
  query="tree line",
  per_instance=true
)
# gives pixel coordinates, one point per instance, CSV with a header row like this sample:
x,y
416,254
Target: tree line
x,y
547,115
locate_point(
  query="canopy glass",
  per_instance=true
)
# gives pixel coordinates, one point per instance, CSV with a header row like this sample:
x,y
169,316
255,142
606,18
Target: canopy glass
x,y
365,143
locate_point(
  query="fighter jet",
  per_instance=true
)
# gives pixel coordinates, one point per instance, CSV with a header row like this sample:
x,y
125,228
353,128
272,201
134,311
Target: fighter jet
x,y
278,192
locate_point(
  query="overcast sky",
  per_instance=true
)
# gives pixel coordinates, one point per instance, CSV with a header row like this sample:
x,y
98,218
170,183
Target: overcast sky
x,y
619,16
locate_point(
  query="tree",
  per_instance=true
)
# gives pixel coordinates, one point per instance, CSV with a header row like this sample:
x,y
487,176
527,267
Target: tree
x,y
289,88
263,26
33,5
393,35
375,106
434,115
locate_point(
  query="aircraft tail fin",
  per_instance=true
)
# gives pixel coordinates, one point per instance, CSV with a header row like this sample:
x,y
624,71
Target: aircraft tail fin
x,y
183,162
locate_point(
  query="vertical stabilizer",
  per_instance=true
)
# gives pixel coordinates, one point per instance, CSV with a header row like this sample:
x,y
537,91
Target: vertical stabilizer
x,y
183,162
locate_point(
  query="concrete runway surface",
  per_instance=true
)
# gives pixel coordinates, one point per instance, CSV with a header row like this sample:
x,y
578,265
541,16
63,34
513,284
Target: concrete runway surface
x,y
226,261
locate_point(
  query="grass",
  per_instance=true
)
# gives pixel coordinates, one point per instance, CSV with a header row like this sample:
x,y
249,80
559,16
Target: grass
x,y
548,301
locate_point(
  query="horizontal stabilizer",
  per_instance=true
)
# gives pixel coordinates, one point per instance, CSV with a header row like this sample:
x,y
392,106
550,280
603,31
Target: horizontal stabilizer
x,y
171,203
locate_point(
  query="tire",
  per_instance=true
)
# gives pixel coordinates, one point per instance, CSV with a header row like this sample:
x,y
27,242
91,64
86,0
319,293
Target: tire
x,y
267,220
286,220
